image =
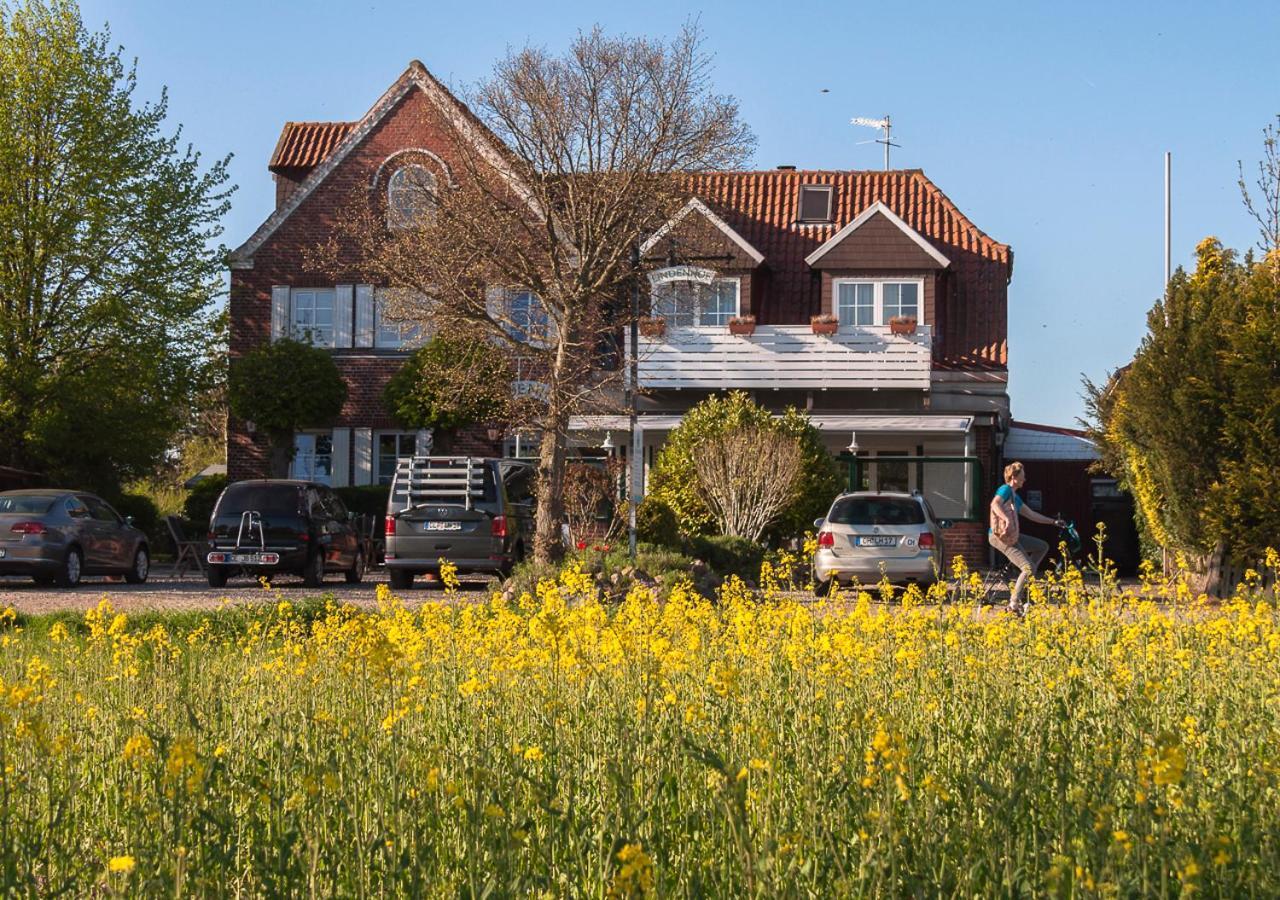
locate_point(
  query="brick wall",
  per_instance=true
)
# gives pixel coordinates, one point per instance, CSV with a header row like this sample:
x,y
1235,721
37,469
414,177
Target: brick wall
x,y
415,123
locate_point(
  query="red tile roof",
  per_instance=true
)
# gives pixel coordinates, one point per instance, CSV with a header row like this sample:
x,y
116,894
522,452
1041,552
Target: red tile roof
x,y
303,145
762,207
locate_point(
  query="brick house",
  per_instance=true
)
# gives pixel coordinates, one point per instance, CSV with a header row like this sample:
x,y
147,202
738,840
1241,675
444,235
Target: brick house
x,y
926,410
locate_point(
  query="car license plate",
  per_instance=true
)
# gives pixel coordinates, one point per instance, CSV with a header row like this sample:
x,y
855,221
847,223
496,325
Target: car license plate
x,y
244,559
442,526
876,542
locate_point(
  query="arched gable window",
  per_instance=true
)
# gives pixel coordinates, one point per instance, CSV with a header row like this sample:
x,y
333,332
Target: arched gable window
x,y
411,196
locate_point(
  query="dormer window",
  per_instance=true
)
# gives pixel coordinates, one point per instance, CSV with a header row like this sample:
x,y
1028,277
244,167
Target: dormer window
x,y
815,203
411,197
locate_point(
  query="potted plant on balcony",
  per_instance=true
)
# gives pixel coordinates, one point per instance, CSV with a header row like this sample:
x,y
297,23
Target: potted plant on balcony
x,y
902,325
742,325
653,326
825,323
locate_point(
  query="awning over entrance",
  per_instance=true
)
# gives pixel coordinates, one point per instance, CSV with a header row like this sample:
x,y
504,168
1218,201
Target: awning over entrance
x,y
896,424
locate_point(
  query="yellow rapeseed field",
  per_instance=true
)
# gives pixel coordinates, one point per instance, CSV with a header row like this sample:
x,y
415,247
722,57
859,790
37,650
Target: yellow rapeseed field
x,y
1116,743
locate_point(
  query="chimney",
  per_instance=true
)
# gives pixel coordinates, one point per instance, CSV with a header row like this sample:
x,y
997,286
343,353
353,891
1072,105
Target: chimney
x,y
786,168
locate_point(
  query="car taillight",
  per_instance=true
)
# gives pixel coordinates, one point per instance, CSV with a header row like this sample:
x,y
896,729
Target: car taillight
x,y
826,539
926,540
390,528
499,526
29,528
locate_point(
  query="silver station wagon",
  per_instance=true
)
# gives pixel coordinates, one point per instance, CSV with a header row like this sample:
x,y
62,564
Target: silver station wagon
x,y
866,536
57,536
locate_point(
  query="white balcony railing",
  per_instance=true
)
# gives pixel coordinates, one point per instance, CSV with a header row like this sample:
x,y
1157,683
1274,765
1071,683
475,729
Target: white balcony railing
x,y
786,357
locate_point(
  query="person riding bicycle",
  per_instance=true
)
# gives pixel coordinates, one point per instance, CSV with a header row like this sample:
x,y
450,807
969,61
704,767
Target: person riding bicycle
x,y
1023,550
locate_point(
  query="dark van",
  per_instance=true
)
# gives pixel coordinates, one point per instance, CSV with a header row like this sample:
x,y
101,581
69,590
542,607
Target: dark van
x,y
270,527
475,512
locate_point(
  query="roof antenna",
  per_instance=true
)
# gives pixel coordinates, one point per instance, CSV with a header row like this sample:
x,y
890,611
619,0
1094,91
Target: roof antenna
x,y
885,126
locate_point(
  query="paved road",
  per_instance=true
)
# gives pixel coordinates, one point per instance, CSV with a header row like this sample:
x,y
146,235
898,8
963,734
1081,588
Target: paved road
x,y
162,591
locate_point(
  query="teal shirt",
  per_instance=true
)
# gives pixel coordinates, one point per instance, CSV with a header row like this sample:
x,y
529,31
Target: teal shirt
x,y
1006,493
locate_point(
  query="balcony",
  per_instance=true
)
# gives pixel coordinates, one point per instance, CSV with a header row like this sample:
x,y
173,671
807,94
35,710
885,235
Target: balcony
x,y
787,357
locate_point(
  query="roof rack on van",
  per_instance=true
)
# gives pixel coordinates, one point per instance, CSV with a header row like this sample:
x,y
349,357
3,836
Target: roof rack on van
x,y
421,479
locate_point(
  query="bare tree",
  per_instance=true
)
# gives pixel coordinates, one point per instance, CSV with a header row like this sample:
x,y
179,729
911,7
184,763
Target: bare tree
x,y
747,477
566,165
1265,207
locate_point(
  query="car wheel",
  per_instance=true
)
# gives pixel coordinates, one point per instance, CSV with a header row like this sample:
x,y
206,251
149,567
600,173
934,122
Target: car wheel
x,y
355,574
400,579
313,574
217,577
141,567
72,567
823,588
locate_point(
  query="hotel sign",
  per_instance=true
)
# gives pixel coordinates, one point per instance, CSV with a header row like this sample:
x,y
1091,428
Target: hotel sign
x,y
681,273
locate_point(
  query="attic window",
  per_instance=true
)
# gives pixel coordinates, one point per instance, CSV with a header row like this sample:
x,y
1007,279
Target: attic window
x,y
815,203
411,195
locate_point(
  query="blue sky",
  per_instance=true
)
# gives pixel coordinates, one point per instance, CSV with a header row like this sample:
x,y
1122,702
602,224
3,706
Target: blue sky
x,y
1046,123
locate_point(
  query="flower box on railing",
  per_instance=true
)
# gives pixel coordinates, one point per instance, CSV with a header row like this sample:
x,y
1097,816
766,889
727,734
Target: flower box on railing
x,y
742,325
653,326
824,324
902,325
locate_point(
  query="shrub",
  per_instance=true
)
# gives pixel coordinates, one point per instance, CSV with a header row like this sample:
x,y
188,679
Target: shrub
x,y
365,499
282,387
146,516
673,482
198,508
449,383
727,555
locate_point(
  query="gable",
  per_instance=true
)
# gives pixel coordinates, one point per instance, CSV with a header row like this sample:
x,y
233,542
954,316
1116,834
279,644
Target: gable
x,y
877,239
697,226
413,89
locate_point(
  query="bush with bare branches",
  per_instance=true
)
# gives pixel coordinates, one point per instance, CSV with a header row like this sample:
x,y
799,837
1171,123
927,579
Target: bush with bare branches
x,y
747,477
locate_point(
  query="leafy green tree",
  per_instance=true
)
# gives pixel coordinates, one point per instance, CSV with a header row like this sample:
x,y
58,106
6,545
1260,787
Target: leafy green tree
x,y
674,494
283,387
449,383
107,263
1192,425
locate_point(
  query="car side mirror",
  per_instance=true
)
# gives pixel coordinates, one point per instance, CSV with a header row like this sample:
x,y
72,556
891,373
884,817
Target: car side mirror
x,y
818,523
945,523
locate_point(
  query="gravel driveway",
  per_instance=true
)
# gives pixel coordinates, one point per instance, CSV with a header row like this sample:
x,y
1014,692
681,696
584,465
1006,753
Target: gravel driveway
x,y
162,591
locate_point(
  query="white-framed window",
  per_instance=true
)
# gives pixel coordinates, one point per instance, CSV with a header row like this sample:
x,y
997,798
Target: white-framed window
x,y
311,315
390,446
389,333
856,303
527,319
411,196
860,301
312,457
687,304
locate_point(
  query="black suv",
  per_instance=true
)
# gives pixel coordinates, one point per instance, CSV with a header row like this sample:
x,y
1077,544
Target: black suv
x,y
291,527
474,512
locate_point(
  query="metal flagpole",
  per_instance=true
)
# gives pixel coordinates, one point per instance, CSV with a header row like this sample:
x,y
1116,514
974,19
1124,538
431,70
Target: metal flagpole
x,y
637,453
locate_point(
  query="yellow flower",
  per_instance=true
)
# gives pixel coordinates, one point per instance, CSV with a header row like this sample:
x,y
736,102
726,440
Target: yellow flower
x,y
121,864
533,754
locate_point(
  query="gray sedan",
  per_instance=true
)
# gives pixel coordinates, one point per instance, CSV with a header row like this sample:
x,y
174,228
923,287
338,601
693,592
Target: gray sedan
x,y
57,536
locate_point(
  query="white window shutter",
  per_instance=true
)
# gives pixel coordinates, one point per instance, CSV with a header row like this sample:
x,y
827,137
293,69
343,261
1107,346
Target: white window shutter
x,y
422,442
342,311
363,455
364,316
341,457
279,312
